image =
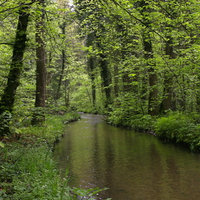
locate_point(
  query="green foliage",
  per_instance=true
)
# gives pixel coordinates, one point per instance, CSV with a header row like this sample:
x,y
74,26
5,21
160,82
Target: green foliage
x,y
87,193
30,173
137,122
142,122
5,121
53,127
180,127
172,125
127,112
2,145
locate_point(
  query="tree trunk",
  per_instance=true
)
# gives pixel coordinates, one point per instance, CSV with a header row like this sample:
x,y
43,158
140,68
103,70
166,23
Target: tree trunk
x,y
167,103
63,65
91,63
116,81
8,97
38,116
153,108
106,78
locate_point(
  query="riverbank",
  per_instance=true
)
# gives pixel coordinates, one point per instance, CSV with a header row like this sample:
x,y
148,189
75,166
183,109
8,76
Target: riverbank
x,y
28,170
175,126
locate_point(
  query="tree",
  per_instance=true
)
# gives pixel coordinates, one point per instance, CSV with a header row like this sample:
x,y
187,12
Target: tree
x,y
16,67
38,116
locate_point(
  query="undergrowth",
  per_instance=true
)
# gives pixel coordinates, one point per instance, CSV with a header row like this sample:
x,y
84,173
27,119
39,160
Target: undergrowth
x,y
131,120
51,130
29,173
180,127
27,168
175,126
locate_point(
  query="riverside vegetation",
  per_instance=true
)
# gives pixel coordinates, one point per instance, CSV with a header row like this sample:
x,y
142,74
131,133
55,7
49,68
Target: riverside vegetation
x,y
28,170
174,126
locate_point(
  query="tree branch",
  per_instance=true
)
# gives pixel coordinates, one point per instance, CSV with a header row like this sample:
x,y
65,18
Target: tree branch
x,y
5,43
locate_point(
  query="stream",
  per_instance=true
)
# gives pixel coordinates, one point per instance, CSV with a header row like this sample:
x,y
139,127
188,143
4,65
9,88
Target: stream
x,y
134,166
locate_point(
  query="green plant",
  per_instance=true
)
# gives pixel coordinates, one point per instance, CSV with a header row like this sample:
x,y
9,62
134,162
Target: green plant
x,y
5,119
174,125
180,127
32,175
86,193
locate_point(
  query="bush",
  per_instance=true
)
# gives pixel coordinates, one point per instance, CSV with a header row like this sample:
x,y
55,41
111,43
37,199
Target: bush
x,y
127,119
180,127
142,122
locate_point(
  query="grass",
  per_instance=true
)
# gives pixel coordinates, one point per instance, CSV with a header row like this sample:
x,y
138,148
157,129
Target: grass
x,y
52,129
29,173
27,168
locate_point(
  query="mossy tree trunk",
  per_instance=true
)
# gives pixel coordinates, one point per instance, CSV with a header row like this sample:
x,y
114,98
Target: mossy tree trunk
x,y
16,67
91,67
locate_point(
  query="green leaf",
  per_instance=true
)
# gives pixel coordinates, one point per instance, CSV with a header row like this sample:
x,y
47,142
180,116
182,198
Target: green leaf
x,y
2,144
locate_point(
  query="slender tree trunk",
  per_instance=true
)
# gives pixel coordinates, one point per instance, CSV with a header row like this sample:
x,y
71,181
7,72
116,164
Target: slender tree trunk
x,y
63,66
38,116
90,39
67,91
61,75
106,78
116,81
91,63
8,97
153,108
167,103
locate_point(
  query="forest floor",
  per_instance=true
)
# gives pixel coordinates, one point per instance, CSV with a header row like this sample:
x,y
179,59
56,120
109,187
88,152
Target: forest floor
x,y
27,167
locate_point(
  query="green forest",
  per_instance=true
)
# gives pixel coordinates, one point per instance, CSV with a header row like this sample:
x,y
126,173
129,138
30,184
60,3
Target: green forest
x,y
135,61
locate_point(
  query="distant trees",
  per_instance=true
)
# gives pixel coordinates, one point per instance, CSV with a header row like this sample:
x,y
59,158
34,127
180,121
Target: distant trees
x,y
153,42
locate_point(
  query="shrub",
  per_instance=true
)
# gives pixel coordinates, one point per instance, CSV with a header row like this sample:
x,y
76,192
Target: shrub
x,y
142,122
180,127
173,125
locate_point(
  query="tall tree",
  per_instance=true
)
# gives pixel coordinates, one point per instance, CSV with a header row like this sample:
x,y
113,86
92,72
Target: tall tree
x,y
38,116
144,9
16,67
63,60
92,22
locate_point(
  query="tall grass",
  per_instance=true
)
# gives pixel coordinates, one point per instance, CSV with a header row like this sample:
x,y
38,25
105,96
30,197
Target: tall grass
x,y
33,174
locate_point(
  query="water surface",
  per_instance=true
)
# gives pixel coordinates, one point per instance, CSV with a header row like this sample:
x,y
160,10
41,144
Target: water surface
x,y
134,166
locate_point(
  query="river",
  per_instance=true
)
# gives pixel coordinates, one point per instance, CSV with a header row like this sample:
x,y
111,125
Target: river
x,y
134,166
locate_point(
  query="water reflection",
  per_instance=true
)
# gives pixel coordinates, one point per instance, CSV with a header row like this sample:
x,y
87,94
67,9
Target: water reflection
x,y
132,165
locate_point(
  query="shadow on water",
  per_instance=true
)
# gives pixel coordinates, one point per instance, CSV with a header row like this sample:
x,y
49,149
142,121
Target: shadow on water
x,y
134,166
